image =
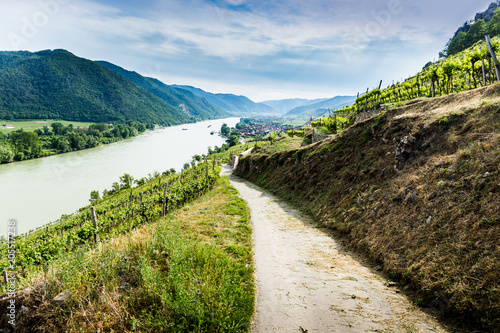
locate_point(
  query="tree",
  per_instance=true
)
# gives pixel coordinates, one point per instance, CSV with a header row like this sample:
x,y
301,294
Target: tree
x,y
126,181
46,130
233,140
225,130
27,143
476,33
115,187
494,24
272,137
94,196
6,153
185,167
57,128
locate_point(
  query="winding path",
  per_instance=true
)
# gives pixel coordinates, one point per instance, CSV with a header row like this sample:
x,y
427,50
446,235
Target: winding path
x,y
306,282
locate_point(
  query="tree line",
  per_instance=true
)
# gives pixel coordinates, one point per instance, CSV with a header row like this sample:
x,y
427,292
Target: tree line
x,y
21,145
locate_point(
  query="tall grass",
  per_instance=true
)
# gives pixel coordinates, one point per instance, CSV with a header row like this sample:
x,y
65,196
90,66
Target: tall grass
x,y
181,274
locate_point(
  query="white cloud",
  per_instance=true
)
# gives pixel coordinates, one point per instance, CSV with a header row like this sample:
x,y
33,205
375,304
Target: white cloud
x,y
300,45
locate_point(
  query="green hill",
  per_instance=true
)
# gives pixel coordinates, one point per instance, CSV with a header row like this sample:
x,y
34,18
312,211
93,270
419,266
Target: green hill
x,y
240,106
183,100
59,85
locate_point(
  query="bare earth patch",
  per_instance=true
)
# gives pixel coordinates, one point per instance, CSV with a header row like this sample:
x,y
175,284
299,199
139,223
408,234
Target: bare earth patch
x,y
306,282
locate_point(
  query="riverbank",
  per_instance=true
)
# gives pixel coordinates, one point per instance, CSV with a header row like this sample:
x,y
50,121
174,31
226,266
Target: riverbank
x,y
19,145
36,192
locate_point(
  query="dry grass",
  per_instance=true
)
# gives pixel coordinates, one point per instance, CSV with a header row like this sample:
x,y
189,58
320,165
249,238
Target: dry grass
x,y
434,225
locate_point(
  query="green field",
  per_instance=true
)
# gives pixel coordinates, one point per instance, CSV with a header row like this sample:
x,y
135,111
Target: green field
x,y
31,125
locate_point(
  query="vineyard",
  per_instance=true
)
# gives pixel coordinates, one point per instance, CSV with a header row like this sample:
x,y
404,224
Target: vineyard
x,y
114,215
466,70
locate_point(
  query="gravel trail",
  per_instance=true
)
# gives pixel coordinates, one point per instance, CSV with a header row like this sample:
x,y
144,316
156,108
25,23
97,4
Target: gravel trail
x,y
306,282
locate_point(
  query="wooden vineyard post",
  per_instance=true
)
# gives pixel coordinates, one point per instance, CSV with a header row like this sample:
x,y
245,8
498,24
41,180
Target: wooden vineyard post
x,y
418,85
495,60
130,199
206,171
164,211
213,165
5,277
433,88
140,195
94,223
484,73
366,99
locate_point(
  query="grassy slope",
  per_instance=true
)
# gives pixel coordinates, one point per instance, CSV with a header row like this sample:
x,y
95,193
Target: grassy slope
x,y
435,224
190,272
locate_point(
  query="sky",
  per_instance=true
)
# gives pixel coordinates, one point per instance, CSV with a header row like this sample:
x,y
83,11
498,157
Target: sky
x,y
262,49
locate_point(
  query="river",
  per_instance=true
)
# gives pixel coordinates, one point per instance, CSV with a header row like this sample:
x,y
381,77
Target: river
x,y
35,192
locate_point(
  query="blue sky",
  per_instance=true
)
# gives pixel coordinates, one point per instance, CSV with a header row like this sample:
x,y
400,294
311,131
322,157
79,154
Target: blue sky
x,y
263,49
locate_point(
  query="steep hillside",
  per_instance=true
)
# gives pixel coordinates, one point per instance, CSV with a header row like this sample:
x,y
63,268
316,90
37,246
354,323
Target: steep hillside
x,y
285,105
182,100
320,108
487,22
416,189
239,106
58,85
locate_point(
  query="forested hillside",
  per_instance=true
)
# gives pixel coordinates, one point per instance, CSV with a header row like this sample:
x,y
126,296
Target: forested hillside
x,y
181,99
471,32
59,85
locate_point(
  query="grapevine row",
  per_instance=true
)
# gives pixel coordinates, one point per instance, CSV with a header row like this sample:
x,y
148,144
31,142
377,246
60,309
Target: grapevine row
x,y
466,70
116,214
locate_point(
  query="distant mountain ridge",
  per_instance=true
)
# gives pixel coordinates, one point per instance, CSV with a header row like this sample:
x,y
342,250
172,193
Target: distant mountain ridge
x,y
240,106
184,100
56,84
320,108
285,105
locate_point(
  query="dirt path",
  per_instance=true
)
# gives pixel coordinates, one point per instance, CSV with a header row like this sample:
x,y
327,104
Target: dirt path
x,y
307,283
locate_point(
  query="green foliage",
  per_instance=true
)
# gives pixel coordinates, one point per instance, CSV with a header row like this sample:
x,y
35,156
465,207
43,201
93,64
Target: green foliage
x,y
233,140
20,145
182,100
118,213
27,144
225,130
456,73
126,181
293,132
190,274
272,137
94,196
470,34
